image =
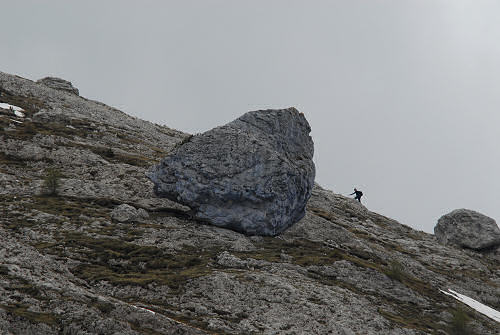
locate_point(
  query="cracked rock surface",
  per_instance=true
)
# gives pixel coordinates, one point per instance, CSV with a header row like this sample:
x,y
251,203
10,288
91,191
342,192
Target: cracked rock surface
x,y
59,84
253,175
468,229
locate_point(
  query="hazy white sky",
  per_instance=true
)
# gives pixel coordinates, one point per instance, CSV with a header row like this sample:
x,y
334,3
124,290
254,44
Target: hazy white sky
x,y
403,97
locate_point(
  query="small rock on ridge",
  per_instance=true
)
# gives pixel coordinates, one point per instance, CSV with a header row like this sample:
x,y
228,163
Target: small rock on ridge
x,y
126,213
58,84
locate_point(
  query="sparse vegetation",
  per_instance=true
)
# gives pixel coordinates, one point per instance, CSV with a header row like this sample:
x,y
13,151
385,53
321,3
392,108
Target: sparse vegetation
x,y
30,105
22,311
26,130
124,263
119,157
4,270
8,159
103,306
51,181
102,151
184,141
395,271
72,208
458,325
409,316
108,152
303,252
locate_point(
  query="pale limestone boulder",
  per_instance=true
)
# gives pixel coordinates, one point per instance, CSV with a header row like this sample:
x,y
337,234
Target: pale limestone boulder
x,y
253,175
468,229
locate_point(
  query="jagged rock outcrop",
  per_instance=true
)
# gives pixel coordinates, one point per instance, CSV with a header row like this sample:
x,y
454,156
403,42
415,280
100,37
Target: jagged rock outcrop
x,y
467,229
127,213
59,84
253,175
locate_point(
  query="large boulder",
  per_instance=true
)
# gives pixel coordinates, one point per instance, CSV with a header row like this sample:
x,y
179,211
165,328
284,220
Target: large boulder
x,y
58,84
253,175
467,229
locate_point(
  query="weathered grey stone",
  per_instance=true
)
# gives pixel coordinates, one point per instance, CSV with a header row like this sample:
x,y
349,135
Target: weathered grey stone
x,y
253,175
58,84
468,229
225,259
346,331
127,213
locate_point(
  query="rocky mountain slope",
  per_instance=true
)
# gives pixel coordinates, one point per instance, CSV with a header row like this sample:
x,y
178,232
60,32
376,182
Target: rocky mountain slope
x,y
103,255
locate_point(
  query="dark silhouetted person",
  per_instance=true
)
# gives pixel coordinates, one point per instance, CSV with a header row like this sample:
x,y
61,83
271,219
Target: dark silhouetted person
x,y
358,195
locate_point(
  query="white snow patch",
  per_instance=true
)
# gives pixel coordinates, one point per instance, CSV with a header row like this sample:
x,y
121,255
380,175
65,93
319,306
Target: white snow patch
x,y
488,311
70,126
17,110
7,106
144,309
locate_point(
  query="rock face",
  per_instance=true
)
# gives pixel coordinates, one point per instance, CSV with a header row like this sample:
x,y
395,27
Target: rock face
x,y
467,229
59,84
253,175
127,213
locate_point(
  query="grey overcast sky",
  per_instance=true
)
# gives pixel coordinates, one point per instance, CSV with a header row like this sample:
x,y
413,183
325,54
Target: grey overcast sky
x,y
403,97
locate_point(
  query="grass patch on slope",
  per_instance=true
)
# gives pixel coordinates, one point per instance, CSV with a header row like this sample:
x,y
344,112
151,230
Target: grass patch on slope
x,y
71,208
303,252
125,263
404,314
407,319
23,312
30,105
27,129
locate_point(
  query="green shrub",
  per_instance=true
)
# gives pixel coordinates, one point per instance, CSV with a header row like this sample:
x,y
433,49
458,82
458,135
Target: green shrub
x,y
108,152
184,141
459,322
4,270
51,181
395,271
103,306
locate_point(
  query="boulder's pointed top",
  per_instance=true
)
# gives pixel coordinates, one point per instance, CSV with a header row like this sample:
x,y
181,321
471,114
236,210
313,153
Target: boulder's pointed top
x,y
271,120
